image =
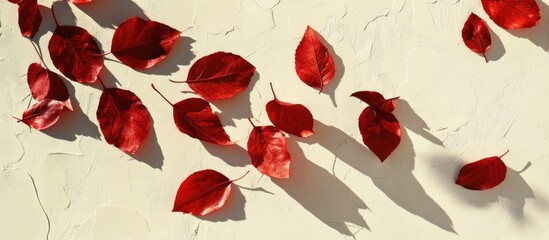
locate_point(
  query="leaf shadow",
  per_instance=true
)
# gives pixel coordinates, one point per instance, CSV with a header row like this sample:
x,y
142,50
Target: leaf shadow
x,y
322,194
497,50
150,152
394,177
64,14
233,155
233,209
411,121
340,70
110,13
181,54
538,34
238,107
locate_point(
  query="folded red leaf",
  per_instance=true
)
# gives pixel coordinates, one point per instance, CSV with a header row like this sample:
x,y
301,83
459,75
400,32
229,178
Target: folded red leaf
x,y
123,119
269,152
75,53
476,35
220,75
294,119
313,61
45,84
195,117
203,192
379,128
43,114
142,44
29,18
483,174
513,14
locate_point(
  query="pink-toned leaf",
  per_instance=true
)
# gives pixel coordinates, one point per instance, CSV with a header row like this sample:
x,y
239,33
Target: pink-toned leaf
x,y
476,35
29,18
45,84
294,119
313,62
483,174
268,150
43,114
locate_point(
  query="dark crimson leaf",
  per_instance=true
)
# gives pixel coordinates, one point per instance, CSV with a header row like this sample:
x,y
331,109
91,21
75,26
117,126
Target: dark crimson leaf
x,y
476,35
123,119
45,84
29,18
195,117
142,44
379,127
269,152
513,14
313,62
43,114
220,75
294,119
75,53
203,192
483,174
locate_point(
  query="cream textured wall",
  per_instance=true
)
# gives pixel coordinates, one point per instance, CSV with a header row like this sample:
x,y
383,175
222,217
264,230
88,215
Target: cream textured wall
x,y
68,183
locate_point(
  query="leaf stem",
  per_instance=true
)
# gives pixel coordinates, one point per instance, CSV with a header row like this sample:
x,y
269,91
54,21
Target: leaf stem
x,y
18,119
485,58
102,83
241,177
178,81
504,154
54,17
250,120
39,54
272,90
162,95
101,55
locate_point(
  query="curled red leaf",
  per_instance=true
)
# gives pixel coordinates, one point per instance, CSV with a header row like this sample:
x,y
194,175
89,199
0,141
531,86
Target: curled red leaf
x,y
269,152
476,35
203,192
513,14
483,174
195,117
29,18
294,119
75,53
45,84
141,44
313,61
123,119
379,128
43,114
220,75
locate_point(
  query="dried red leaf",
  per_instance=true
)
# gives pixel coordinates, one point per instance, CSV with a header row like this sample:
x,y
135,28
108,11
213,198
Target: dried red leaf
x,y
269,152
43,114
29,18
195,117
483,174
45,84
294,119
203,192
220,75
142,44
476,35
123,119
75,53
313,61
513,14
379,127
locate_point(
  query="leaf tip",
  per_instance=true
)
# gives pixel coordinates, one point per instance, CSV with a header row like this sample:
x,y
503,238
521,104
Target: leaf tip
x,y
307,133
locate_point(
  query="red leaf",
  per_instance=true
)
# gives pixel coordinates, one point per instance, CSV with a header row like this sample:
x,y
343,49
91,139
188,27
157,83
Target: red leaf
x,y
43,114
294,119
220,75
379,127
203,192
123,119
269,152
195,117
476,35
483,174
80,1
15,1
313,62
29,18
75,53
45,84
142,44
513,14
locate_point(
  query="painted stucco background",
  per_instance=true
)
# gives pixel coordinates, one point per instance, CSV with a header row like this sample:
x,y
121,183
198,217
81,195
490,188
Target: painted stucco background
x,y
68,183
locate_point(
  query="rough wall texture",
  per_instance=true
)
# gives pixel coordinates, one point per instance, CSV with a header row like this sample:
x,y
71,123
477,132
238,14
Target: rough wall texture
x,y
68,183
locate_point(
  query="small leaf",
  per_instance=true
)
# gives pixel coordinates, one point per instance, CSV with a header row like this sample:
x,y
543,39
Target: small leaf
x,y
294,119
513,14
269,152
43,114
45,84
313,62
476,35
483,174
29,18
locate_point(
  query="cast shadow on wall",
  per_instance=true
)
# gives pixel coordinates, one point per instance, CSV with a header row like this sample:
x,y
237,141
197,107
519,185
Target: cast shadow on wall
x,y
340,70
538,34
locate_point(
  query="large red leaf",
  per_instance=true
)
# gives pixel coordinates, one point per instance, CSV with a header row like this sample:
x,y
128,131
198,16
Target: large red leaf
x,y
220,75
203,192
269,152
513,14
45,84
379,127
476,35
195,117
483,174
123,119
43,114
75,53
313,62
142,44
29,18
294,119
